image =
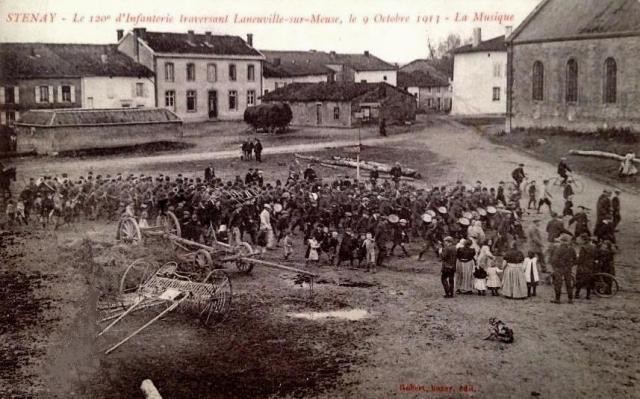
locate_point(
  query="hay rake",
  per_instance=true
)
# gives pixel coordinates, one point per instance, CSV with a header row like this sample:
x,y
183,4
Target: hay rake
x,y
141,288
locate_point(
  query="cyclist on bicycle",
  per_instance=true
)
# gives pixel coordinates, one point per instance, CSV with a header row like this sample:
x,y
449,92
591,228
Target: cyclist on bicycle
x,y
563,168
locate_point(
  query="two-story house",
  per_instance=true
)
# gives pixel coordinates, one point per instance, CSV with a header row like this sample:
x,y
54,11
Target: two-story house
x,y
51,75
480,77
200,77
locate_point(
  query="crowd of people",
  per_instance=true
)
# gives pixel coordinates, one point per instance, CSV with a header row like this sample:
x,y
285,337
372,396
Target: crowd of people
x,y
477,230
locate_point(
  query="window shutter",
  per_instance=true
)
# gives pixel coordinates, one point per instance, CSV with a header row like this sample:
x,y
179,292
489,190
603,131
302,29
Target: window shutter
x,y
59,94
16,94
17,115
73,93
51,100
145,90
1,95
133,90
3,119
37,94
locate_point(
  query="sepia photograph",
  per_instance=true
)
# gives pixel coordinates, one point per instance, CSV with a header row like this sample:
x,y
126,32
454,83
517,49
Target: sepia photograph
x,y
319,199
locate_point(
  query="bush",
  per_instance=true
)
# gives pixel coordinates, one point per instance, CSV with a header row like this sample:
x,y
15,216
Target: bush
x,y
623,135
269,116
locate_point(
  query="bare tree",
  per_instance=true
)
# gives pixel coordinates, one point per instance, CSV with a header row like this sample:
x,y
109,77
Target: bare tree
x,y
446,47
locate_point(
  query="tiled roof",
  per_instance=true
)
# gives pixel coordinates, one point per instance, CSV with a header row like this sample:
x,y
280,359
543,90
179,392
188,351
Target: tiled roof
x,y
425,66
294,69
330,91
44,60
184,43
495,44
84,117
558,19
420,79
359,62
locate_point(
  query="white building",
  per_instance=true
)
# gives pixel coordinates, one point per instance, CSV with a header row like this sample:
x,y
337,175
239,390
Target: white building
x,y
200,77
480,77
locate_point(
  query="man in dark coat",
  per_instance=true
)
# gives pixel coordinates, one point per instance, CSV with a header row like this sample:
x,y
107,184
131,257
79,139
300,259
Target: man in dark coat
x,y
582,222
603,207
209,173
615,208
555,228
449,256
396,174
518,175
605,231
257,149
345,248
563,168
562,260
586,261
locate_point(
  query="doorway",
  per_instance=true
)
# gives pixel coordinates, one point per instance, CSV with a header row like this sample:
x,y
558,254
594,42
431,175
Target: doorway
x,y
213,104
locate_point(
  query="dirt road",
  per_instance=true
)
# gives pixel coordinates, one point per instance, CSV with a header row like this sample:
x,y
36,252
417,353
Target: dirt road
x,y
413,343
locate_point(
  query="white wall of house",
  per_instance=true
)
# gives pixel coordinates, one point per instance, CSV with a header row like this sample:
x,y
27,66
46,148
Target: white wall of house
x,y
475,77
246,90
117,92
269,84
390,77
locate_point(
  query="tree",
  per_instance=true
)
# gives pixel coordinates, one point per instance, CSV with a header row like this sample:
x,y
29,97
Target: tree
x,y
446,47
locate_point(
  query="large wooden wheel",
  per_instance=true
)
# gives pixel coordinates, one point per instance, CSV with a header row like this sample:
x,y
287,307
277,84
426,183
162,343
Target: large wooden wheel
x,y
214,307
170,224
245,250
136,276
129,231
202,259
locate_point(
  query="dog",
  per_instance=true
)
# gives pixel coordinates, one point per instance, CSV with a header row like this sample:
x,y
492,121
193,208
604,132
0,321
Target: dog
x,y
500,331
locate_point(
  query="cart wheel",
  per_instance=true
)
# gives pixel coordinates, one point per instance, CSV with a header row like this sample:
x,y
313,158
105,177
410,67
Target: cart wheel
x,y
136,275
605,285
202,259
244,249
129,231
170,224
215,307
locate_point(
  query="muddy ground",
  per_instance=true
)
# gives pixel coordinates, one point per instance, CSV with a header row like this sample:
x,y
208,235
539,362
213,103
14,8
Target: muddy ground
x,y
411,337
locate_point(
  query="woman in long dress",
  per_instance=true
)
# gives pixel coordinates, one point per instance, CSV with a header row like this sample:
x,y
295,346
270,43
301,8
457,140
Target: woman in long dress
x,y
464,270
514,282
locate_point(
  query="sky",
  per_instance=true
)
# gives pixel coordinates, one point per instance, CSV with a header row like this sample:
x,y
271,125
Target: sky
x,y
394,30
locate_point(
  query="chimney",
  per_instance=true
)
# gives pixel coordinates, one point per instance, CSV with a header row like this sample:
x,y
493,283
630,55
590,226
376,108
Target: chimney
x,y
120,33
276,61
191,36
250,39
508,30
366,53
477,37
332,54
137,33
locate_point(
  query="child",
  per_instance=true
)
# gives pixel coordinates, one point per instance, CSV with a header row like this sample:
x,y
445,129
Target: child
x,y
287,244
11,213
480,282
532,195
313,255
568,206
143,223
531,273
369,245
493,279
20,213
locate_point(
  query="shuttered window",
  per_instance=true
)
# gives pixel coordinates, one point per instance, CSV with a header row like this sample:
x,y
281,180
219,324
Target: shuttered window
x,y
251,73
191,101
233,100
212,73
65,94
169,75
191,72
232,72
537,90
571,91
251,97
610,81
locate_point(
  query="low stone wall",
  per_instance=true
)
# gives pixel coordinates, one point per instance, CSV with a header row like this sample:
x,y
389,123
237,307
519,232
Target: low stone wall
x,y
47,140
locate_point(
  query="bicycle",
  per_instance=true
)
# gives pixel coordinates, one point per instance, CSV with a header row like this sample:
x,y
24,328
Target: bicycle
x,y
605,285
578,185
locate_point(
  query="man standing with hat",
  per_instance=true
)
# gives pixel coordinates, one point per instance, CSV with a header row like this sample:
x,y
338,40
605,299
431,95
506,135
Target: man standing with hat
x,y
518,175
563,168
562,260
603,207
586,261
449,256
615,208
582,222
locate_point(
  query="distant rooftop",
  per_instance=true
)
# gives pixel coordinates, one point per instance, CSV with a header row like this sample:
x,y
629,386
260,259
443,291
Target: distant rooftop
x,y
331,91
318,60
495,44
44,60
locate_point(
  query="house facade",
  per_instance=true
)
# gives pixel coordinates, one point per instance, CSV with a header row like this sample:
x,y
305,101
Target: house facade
x,y
480,77
275,74
344,104
49,76
577,73
200,77
432,93
339,67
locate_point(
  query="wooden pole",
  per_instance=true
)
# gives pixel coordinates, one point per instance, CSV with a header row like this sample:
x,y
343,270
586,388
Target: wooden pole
x,y
279,266
174,305
602,154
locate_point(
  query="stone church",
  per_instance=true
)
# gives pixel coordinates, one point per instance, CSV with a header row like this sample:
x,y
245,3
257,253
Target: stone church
x,y
575,64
